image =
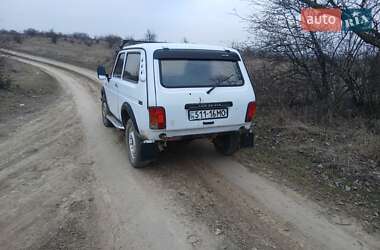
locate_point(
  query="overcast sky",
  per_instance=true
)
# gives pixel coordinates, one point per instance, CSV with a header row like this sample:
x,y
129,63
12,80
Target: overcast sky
x,y
200,21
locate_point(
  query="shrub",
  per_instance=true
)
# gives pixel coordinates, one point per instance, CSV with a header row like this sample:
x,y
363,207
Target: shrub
x,y
31,32
53,36
5,82
17,38
112,40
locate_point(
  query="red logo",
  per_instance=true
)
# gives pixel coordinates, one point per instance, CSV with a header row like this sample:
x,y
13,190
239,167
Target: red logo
x,y
324,19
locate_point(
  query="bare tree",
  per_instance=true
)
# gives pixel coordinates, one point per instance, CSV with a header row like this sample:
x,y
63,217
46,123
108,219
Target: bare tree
x,y
150,36
327,67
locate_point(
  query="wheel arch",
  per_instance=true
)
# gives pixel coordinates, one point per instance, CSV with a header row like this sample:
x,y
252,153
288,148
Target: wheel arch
x,y
103,94
126,114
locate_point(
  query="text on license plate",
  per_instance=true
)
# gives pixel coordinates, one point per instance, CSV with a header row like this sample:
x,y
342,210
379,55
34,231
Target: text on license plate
x,y
207,114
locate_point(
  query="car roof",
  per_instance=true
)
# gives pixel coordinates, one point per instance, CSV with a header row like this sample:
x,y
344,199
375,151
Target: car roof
x,y
155,46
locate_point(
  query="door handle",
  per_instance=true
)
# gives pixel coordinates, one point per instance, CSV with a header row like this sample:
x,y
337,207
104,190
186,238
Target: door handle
x,y
116,85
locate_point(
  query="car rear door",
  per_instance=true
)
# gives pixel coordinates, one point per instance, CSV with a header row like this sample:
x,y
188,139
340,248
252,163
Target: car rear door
x,y
197,107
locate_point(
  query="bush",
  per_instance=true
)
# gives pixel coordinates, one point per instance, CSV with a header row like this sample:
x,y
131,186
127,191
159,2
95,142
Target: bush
x,y
17,38
5,82
88,42
112,40
31,32
81,36
53,36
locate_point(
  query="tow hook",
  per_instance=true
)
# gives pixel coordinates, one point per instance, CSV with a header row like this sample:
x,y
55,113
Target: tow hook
x,y
163,137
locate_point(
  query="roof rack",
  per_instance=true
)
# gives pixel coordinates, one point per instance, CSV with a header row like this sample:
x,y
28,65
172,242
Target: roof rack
x,y
129,42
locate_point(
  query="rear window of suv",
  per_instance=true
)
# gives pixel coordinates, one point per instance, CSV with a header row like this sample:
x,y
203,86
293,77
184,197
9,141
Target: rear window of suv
x,y
187,73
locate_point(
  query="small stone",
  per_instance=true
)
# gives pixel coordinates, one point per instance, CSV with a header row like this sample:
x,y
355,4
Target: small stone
x,y
193,239
22,104
347,188
218,231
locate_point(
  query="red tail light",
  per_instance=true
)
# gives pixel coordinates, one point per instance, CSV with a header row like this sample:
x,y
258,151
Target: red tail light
x,y
157,118
251,111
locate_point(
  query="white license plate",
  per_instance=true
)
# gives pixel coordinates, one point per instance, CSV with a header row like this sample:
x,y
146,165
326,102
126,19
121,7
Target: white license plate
x,y
207,114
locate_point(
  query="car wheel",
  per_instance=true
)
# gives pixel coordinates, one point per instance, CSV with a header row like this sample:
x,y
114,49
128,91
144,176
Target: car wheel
x,y
105,112
133,142
227,144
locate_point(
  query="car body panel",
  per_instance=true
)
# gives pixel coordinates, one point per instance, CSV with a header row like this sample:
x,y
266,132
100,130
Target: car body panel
x,y
149,92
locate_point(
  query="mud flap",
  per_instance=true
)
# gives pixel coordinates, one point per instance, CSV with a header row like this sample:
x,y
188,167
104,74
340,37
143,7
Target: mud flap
x,y
149,151
247,140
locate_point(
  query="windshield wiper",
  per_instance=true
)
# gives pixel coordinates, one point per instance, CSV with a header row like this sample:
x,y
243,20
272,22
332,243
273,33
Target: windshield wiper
x,y
218,82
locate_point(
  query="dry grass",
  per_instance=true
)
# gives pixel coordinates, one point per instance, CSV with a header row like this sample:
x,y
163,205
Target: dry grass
x,y
70,51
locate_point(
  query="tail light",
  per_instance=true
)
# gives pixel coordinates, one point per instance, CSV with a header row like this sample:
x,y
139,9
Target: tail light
x,y
251,111
157,118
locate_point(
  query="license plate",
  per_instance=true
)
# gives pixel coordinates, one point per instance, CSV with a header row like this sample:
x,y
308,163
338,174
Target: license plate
x,y
207,114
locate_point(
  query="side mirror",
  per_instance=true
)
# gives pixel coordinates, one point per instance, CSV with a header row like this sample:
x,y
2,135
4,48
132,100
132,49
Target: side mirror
x,y
102,74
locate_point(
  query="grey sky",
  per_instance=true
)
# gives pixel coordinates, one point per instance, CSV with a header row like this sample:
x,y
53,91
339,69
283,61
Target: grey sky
x,y
201,21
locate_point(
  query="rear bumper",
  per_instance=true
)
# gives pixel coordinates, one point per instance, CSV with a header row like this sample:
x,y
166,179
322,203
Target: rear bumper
x,y
161,135
245,131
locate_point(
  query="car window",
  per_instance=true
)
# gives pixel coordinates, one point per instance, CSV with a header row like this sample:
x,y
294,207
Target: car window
x,y
199,73
132,67
119,66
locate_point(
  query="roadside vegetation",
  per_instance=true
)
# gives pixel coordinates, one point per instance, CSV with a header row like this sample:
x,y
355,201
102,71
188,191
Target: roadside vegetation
x,y
5,82
318,122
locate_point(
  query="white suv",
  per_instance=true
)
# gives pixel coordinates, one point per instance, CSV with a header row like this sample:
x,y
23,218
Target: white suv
x,y
162,92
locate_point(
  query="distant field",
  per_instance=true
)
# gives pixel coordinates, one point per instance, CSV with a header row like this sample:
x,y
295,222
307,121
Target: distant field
x,y
73,52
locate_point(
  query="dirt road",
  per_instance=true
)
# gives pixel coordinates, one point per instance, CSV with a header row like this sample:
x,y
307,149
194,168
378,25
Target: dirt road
x,y
197,200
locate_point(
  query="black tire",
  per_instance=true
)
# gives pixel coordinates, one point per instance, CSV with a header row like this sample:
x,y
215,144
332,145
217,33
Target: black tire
x,y
105,112
135,154
227,144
